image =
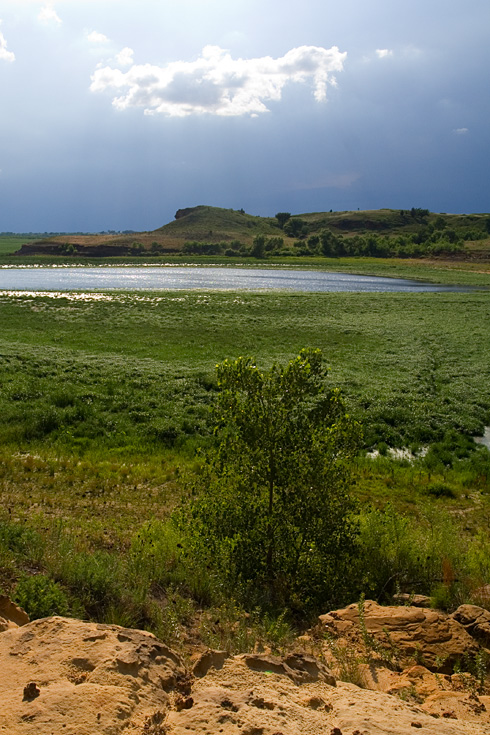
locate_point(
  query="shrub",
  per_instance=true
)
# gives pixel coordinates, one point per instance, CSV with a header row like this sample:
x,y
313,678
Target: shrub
x,y
40,597
441,490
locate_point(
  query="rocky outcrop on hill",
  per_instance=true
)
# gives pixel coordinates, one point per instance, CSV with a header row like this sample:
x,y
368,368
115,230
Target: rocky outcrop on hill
x,y
65,676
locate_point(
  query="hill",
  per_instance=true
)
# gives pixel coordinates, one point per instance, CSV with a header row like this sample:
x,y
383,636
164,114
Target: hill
x,y
211,225
213,230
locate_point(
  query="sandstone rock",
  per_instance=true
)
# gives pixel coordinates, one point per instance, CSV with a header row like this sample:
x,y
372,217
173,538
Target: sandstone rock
x,y
476,620
405,634
11,615
83,678
299,668
209,660
413,684
465,706
64,676
413,600
240,700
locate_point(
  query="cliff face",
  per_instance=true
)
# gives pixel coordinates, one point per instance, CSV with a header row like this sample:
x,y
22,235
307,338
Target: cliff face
x,y
65,676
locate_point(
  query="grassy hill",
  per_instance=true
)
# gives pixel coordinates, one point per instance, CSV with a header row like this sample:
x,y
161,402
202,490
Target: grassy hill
x,y
198,224
213,230
213,224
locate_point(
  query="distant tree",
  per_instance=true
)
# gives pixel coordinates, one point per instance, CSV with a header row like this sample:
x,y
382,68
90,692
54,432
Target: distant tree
x,y
282,218
258,247
313,243
274,243
331,245
296,227
418,212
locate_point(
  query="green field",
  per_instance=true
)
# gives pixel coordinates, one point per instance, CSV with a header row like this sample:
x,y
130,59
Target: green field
x,y
106,398
9,244
131,366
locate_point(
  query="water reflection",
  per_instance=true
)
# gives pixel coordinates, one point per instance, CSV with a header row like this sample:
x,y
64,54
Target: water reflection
x,y
154,278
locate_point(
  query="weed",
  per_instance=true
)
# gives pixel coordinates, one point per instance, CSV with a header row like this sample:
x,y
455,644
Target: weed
x,y
348,664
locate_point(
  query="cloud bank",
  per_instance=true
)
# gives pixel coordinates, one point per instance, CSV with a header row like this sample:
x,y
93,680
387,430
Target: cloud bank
x,y
4,54
217,84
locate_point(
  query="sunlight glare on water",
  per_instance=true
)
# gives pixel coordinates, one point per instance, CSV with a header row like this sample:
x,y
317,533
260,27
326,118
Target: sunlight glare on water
x,y
153,278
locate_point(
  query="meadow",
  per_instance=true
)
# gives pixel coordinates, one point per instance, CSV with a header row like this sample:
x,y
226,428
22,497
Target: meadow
x,y
106,402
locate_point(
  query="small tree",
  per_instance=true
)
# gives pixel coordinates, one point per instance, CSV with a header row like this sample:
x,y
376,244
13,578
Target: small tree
x,y
296,227
282,218
272,507
258,247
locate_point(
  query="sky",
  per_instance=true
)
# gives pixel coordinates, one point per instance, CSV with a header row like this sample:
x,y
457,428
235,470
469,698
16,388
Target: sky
x,y
116,113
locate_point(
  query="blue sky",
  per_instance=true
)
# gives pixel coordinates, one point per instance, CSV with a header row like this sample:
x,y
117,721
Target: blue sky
x,y
116,113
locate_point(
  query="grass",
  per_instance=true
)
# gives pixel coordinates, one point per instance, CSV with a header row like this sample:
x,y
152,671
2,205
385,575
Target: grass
x,y
9,244
134,370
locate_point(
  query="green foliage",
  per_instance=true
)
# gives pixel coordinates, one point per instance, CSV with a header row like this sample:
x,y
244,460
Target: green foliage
x,y
40,597
441,490
230,628
282,218
441,598
295,227
20,540
272,505
258,247
96,579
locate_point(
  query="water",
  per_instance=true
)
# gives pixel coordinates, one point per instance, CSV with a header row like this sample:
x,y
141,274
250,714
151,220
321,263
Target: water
x,y
154,278
485,439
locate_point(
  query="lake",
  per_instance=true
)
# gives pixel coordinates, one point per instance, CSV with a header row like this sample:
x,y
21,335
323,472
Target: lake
x,y
154,278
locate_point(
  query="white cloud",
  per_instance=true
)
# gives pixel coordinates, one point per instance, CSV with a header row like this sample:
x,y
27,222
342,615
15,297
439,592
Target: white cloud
x,y
4,54
125,57
218,84
49,15
461,131
382,53
95,37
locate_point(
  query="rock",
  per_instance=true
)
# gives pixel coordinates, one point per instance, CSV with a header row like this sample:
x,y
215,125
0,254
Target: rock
x,y
65,676
299,667
11,615
243,700
476,621
31,691
412,600
404,635
465,706
83,678
209,659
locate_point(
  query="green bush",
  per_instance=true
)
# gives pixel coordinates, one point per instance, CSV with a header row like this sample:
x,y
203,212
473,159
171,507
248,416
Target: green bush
x,y
41,597
440,490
